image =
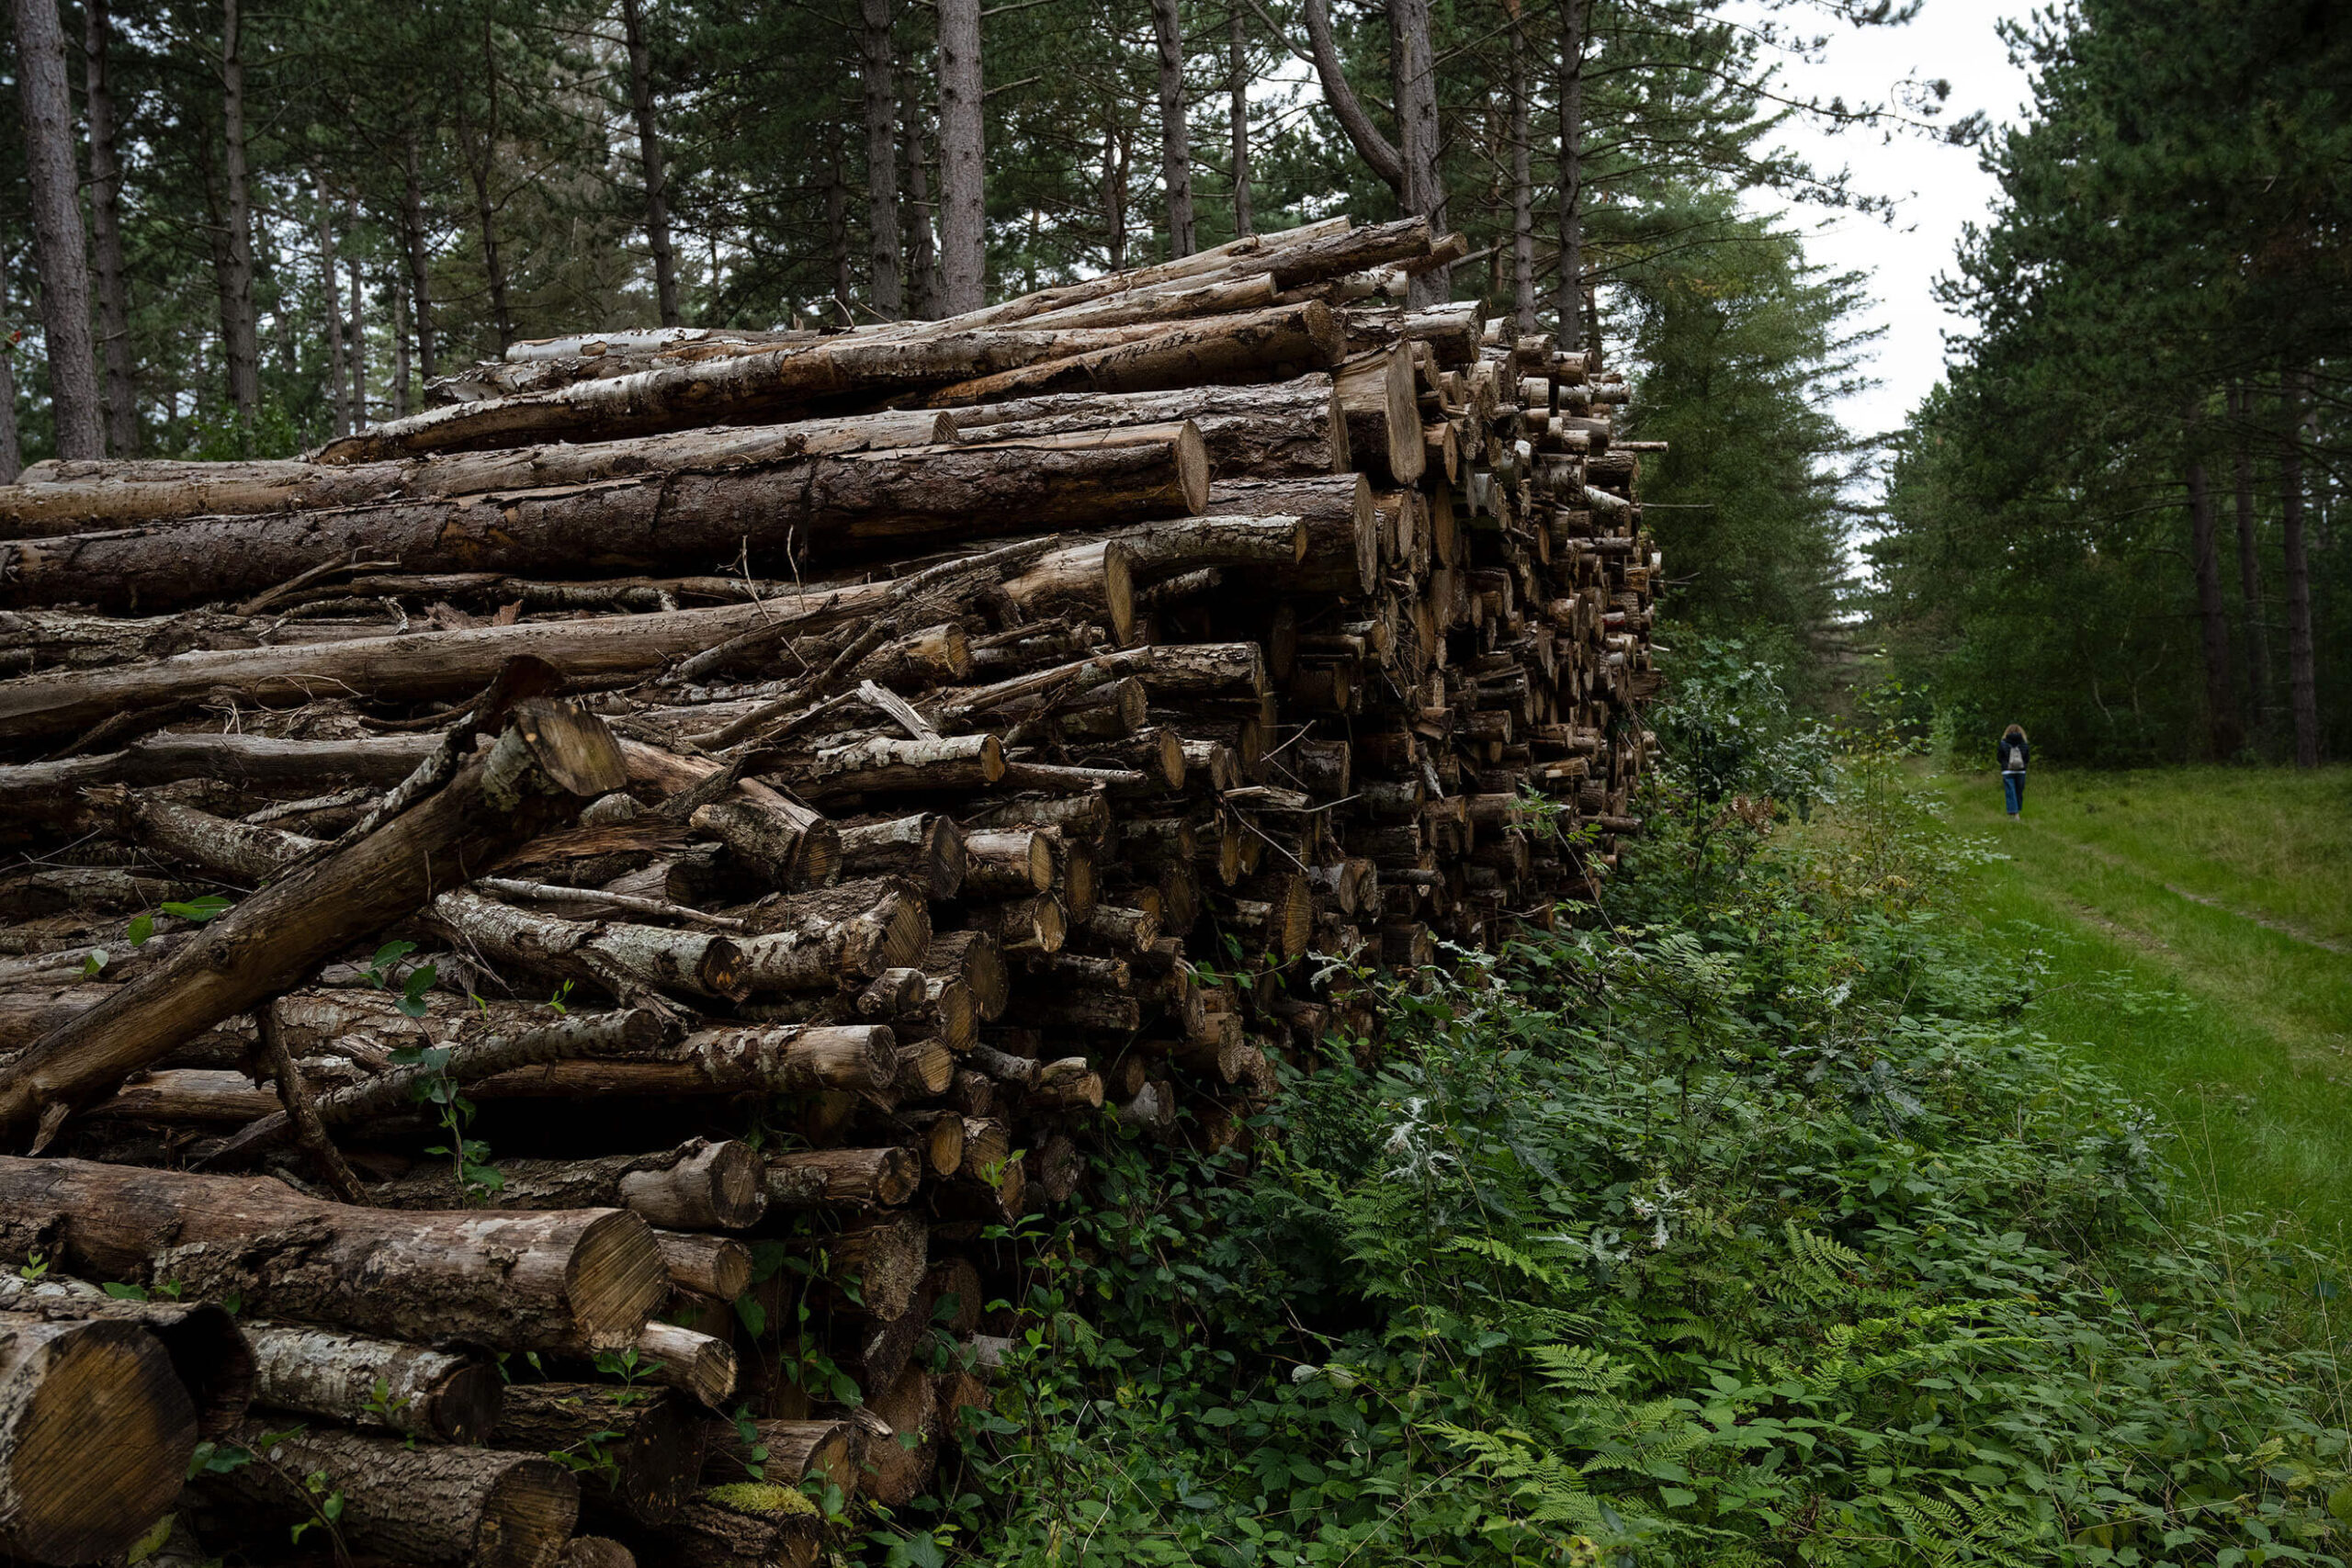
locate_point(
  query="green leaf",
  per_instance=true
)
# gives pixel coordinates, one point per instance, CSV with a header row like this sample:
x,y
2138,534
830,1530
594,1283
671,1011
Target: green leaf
x,y
142,926
391,952
753,1316
123,1293
198,909
92,962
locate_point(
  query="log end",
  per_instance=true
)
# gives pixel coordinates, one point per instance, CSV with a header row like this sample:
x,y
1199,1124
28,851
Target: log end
x,y
94,1439
614,1280
573,746
738,1185
1192,468
465,1407
527,1516
1119,589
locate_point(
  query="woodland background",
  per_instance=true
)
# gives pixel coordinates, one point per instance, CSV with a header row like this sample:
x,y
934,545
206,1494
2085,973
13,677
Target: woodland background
x,y
2117,522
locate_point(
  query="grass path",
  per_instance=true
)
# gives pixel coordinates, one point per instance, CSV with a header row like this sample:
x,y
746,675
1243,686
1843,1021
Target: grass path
x,y
2198,923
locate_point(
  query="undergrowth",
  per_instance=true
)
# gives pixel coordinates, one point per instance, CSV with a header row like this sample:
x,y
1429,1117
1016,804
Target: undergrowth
x,y
1741,1222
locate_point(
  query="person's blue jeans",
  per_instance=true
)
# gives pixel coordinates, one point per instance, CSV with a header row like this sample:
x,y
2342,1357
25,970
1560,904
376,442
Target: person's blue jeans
x,y
2013,790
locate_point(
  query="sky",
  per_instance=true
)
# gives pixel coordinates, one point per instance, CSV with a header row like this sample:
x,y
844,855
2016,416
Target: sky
x,y
1937,186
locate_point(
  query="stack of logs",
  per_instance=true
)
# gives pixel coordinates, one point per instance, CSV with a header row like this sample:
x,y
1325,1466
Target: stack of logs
x,y
543,1053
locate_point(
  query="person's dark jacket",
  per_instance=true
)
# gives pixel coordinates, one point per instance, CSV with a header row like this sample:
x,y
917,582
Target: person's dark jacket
x,y
2001,753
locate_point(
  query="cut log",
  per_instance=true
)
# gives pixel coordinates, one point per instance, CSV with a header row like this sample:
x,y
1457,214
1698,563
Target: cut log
x,y
779,1059
1291,428
209,1354
1263,345
823,1178
784,1453
516,1281
96,1434
625,959
698,1186
82,497
502,1045
699,1365
711,1266
841,935
410,1505
375,1382
640,1451
551,757
781,841
744,1523
745,388
1377,398
927,847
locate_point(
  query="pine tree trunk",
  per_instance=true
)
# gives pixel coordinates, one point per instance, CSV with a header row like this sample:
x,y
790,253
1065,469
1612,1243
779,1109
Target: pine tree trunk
x,y
419,279
1175,139
963,235
400,345
2302,673
2220,695
922,259
244,346
12,452
2257,638
1114,198
339,410
1571,280
837,229
876,66
55,189
1418,142
1238,88
358,325
649,152
485,213
1522,190
105,233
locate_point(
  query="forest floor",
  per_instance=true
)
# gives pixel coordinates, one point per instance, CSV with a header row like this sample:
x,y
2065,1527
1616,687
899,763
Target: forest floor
x,y
2196,926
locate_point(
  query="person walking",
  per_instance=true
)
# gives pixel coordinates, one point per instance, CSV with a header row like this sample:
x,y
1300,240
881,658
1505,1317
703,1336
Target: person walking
x,y
2012,754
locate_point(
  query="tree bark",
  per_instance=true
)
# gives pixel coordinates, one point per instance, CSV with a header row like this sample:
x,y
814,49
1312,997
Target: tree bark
x,y
1420,142
550,757
243,348
421,665
479,1507
1287,429
761,385
55,190
478,155
2257,638
328,1374
828,509
1375,149
837,228
1175,136
420,276
106,233
2223,735
963,233
698,1186
1522,186
359,326
330,290
1263,346
645,1446
878,74
649,152
1238,88
96,1434
1570,298
923,260
84,497
515,1281
779,1059
2302,681
12,451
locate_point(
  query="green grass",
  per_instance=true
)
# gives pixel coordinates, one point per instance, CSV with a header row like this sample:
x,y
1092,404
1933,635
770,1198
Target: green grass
x,y
2198,923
